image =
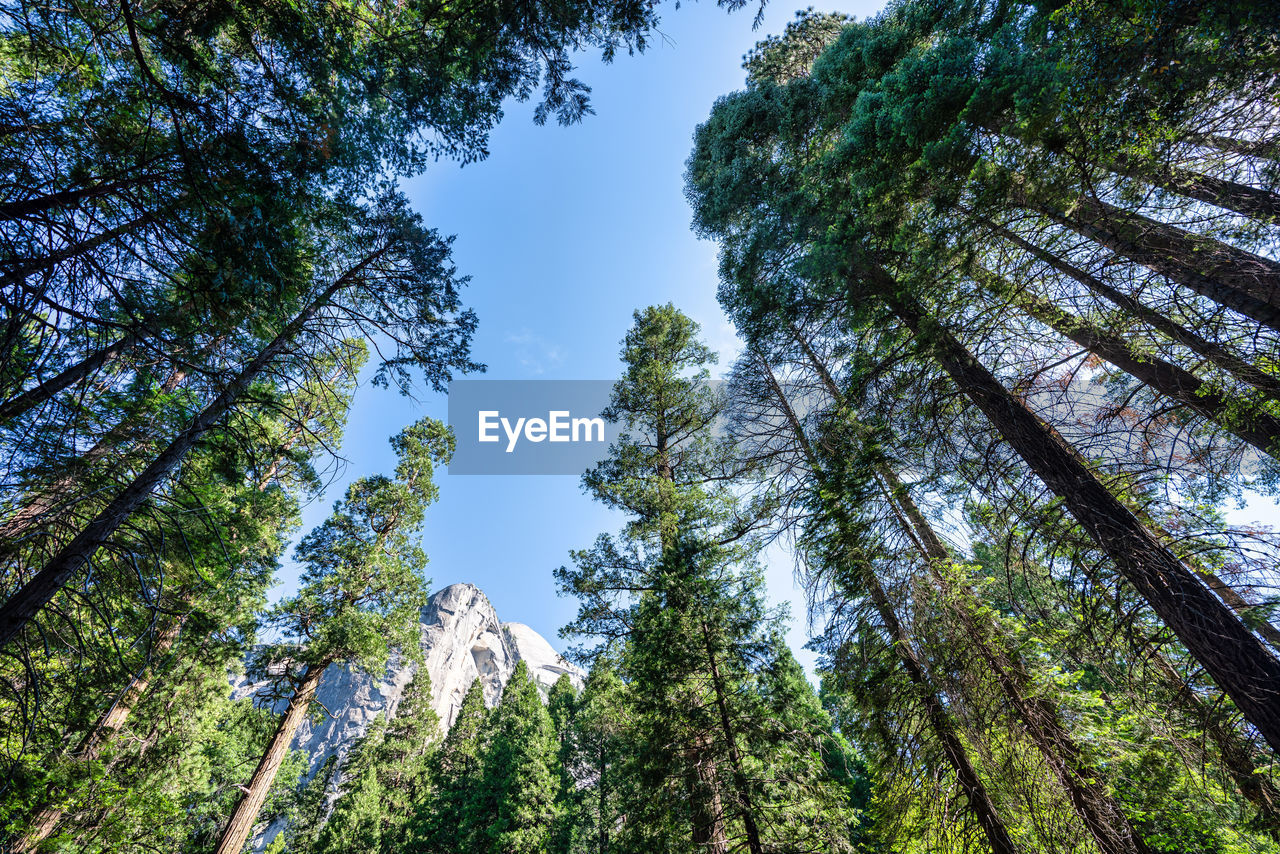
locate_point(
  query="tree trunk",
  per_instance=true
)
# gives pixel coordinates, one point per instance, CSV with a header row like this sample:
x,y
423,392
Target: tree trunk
x,y
1240,664
731,741
103,731
1238,280
37,507
706,809
1237,758
32,596
1238,604
1259,429
975,793
1253,202
30,266
1265,149
1102,815
72,198
245,816
1214,353
70,376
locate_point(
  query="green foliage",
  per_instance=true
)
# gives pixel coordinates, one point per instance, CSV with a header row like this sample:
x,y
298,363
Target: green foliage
x,y
513,806
442,823
678,603
955,217
386,776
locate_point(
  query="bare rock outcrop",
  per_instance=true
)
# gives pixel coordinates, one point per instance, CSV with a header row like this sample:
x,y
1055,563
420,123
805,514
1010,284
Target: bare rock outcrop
x,y
462,639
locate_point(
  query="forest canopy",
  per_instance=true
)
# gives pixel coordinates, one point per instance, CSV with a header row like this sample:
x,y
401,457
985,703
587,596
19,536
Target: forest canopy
x,y
1006,278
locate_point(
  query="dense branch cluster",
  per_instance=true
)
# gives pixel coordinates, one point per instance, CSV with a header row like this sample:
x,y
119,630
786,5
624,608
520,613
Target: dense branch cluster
x,y
1007,275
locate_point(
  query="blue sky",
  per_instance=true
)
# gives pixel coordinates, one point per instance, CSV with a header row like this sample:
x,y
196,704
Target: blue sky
x,y
565,232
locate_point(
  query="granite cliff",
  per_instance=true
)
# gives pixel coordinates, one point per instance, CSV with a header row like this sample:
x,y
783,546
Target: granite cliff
x,y
462,639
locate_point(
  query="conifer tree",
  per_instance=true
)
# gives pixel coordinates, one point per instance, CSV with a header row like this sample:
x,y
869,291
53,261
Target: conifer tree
x,y
513,805
679,597
440,824
362,590
563,707
386,777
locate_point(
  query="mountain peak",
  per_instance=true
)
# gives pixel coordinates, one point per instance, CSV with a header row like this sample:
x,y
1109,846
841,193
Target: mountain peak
x,y
461,640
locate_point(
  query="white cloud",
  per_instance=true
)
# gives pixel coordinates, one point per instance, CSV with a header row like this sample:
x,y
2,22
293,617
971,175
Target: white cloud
x,y
534,353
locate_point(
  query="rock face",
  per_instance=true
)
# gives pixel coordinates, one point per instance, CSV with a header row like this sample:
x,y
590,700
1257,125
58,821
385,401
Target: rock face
x,y
462,640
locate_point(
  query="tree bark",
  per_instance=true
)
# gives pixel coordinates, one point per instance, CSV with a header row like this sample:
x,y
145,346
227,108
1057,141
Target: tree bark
x,y
1243,199
1213,353
731,742
1233,278
706,808
32,397
1259,429
1264,149
103,731
1241,665
245,816
940,722
32,596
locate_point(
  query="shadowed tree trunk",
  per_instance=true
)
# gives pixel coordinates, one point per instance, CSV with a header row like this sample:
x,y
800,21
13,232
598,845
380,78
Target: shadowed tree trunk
x,y
731,741
26,267
1240,664
1243,199
1265,149
1239,280
1213,353
245,816
1259,429
73,198
86,367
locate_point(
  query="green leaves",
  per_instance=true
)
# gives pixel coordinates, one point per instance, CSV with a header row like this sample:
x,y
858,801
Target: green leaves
x,y
362,581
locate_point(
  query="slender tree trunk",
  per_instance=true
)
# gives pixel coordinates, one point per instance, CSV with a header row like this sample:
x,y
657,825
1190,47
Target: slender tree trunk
x,y
32,596
30,266
603,802
1265,149
1241,665
72,198
1243,199
1238,280
99,736
731,741
1259,429
86,367
976,796
245,816
1213,353
1102,815
940,722
37,508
